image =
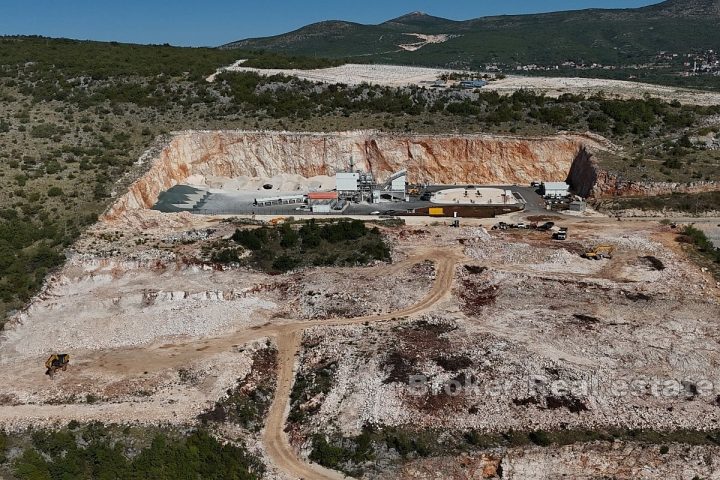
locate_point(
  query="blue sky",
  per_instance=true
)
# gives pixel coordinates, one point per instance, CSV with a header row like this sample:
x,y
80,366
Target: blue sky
x,y
214,22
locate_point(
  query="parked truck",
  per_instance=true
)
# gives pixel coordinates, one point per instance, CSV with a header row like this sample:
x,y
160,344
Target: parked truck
x,y
561,234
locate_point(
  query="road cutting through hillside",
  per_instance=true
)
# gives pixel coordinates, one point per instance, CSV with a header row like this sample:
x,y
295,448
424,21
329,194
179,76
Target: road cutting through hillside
x,y
158,357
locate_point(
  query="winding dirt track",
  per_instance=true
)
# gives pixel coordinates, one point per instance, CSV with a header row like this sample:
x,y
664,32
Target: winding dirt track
x,y
288,342
133,362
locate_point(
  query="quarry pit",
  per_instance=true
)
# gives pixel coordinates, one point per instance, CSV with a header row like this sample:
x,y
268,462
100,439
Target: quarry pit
x,y
233,163
159,333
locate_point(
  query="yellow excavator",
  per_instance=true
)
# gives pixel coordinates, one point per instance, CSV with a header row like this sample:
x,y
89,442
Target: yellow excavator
x,y
600,251
56,361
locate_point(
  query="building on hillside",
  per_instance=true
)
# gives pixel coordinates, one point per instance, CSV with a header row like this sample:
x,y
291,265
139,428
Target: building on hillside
x,y
471,84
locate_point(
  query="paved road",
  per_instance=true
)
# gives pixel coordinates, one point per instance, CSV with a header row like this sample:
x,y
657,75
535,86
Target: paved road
x,y
230,203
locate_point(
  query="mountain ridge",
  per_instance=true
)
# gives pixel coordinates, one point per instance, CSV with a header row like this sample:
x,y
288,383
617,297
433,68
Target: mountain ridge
x,y
603,36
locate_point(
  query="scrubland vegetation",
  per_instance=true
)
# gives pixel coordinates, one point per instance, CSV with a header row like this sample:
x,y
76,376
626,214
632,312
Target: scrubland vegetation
x,y
96,451
311,243
77,115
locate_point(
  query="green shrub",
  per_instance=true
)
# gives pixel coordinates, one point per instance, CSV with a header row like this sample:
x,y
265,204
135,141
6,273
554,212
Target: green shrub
x,y
45,130
3,447
62,455
283,263
539,437
251,239
55,192
289,237
226,255
326,454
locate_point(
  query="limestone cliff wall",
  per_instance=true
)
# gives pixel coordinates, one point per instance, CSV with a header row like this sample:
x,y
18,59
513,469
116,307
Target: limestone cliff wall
x,y
589,180
436,159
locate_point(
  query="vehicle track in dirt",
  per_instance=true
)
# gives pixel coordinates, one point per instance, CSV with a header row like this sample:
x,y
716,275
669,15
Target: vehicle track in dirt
x,y
288,343
288,336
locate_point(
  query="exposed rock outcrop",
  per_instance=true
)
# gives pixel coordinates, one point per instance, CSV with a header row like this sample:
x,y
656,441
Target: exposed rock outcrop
x,y
589,180
435,159
620,460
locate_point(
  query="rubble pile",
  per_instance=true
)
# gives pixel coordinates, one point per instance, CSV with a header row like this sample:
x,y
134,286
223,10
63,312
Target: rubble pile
x,y
327,294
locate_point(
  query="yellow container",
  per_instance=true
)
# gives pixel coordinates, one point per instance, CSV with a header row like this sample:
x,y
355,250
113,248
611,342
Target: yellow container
x,y
436,211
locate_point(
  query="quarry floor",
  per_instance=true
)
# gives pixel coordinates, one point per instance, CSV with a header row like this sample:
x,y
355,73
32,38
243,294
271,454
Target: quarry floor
x,y
231,200
156,334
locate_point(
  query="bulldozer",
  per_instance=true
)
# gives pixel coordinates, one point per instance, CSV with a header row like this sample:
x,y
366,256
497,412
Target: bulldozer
x,y
56,361
599,252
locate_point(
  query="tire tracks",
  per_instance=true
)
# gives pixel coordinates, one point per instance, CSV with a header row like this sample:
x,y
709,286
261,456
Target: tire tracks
x,y
288,337
277,445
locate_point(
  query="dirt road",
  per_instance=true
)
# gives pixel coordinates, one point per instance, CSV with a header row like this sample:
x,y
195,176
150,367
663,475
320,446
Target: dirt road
x,y
288,334
288,342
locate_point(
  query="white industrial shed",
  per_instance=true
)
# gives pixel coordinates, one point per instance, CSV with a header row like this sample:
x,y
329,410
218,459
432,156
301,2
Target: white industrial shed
x,y
347,181
556,189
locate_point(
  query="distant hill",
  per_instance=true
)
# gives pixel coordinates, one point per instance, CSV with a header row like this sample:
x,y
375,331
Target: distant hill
x,y
605,36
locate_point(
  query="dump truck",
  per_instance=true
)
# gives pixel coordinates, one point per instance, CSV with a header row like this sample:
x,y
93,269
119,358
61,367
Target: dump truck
x,y
599,252
56,361
561,234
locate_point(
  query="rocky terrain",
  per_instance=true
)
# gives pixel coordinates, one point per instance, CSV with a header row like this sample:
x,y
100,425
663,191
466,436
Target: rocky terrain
x,y
399,76
590,180
534,337
155,329
601,460
472,332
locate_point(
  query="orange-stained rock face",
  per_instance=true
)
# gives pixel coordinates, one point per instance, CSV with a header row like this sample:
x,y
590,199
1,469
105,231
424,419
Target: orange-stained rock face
x,y
435,159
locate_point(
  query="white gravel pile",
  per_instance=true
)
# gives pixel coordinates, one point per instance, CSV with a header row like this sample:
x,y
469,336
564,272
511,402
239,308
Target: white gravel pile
x,y
632,242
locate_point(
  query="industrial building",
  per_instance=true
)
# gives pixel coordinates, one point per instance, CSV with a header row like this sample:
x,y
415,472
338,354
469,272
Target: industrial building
x,y
356,190
393,190
284,200
472,84
555,189
577,206
358,186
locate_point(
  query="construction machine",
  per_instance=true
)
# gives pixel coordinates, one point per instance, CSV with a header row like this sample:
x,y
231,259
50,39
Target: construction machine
x,y
599,252
56,361
561,234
